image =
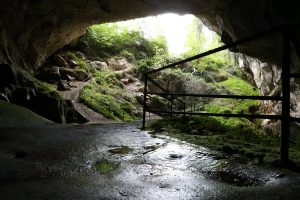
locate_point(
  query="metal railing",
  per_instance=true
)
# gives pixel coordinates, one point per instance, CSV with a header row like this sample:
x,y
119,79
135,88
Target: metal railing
x,y
287,38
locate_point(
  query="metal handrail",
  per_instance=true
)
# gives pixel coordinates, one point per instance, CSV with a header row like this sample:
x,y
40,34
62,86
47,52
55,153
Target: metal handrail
x,y
271,98
286,75
248,116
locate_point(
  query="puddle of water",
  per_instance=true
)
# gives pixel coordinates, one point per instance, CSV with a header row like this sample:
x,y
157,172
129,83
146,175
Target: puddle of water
x,y
178,156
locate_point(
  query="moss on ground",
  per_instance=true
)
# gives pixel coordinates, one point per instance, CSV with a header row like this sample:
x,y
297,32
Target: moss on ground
x,y
121,150
242,138
106,96
239,87
105,167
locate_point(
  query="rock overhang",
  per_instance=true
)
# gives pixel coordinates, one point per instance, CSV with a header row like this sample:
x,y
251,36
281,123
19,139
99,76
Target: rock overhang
x,y
33,30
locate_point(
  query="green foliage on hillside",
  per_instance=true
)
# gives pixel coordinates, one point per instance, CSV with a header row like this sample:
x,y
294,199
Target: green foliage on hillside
x,y
216,72
240,87
107,40
105,95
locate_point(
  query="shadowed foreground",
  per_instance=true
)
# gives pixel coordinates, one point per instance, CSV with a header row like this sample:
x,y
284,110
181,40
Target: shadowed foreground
x,y
62,162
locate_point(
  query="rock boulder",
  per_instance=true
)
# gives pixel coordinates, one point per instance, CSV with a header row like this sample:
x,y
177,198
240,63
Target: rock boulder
x,y
118,63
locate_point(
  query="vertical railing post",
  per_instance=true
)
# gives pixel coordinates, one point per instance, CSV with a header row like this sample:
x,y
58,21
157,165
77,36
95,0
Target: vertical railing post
x,y
109,111
171,105
285,120
145,100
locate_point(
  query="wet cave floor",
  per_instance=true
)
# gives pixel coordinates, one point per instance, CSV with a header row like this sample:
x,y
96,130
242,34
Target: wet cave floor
x,y
119,161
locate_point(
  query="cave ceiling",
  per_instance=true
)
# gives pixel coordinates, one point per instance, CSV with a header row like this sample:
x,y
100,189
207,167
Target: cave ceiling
x,y
31,30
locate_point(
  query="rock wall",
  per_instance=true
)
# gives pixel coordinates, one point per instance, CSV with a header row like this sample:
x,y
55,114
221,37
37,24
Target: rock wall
x,y
18,87
267,77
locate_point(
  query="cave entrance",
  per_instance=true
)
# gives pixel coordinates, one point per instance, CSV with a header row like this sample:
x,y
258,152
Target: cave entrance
x,y
121,52
116,57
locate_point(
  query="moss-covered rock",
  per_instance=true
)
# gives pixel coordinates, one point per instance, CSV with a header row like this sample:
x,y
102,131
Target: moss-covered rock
x,y
105,167
12,115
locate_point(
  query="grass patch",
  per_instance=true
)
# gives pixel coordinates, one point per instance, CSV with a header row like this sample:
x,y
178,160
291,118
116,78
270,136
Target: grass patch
x,y
81,63
45,88
105,167
232,106
239,86
111,103
121,150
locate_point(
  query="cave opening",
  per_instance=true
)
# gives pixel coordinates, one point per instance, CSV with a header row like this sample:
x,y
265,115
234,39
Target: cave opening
x,y
130,48
91,83
112,58
98,78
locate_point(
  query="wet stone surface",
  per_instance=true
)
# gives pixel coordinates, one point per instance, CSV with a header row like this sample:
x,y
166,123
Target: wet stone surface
x,y
119,161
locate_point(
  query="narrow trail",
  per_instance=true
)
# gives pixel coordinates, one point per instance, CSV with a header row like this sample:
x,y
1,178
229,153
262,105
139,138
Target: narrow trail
x,y
73,96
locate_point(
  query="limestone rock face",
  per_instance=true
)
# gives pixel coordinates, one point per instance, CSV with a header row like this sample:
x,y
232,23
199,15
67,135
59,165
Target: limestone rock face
x,y
98,65
30,31
267,77
117,64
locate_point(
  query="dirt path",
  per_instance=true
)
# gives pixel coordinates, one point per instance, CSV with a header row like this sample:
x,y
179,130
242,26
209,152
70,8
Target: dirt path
x,y
73,95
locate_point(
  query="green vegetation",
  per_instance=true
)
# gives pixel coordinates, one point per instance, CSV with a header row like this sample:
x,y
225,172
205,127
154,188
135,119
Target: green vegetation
x,y
215,74
80,62
121,150
105,167
245,139
107,40
240,87
105,95
45,88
